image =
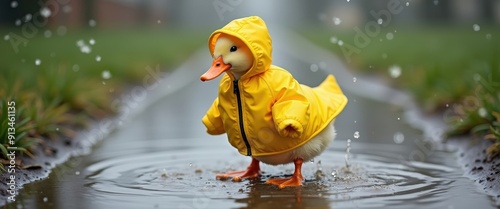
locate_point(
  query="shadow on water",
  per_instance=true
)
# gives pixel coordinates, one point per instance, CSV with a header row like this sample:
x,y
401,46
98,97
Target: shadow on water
x,y
163,158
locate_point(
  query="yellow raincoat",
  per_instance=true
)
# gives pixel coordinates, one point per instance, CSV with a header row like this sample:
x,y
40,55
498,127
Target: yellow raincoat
x,y
267,111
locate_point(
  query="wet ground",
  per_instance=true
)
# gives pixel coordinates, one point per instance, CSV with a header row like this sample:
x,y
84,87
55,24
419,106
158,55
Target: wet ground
x,y
162,157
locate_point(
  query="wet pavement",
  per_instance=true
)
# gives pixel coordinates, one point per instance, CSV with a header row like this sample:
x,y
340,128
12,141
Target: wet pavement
x,y
161,156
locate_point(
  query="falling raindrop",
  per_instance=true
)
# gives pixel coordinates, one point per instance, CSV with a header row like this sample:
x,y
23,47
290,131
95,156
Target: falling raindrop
x,y
399,118
47,34
45,199
407,3
38,62
340,43
476,27
314,67
355,121
190,164
336,20
482,112
436,2
389,36
354,79
91,41
45,12
106,74
333,40
92,23
348,0
447,105
356,134
394,71
98,58
6,37
61,30
27,17
85,49
77,173
380,21
18,22
398,137
13,4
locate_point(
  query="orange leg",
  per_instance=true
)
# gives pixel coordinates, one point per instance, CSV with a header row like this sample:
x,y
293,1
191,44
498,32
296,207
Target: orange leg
x,y
295,180
253,171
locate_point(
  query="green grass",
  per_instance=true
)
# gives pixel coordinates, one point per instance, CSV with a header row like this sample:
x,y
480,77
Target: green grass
x,y
67,89
448,69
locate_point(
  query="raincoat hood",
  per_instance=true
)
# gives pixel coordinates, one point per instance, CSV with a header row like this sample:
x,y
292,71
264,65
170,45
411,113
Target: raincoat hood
x,y
253,32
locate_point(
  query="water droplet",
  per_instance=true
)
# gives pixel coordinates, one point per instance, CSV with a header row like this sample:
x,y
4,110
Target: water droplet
x,y
28,17
13,4
314,67
356,135
447,105
6,37
98,58
92,23
407,3
482,112
77,173
398,137
436,2
384,56
394,71
488,36
106,74
354,79
47,33
76,67
399,118
190,164
333,40
38,62
57,129
18,22
45,12
45,199
85,49
355,121
334,174
336,20
158,21
380,21
80,43
340,42
476,27
389,36
348,0
103,83
61,30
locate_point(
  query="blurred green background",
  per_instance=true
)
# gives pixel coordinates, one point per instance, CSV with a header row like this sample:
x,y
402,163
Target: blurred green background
x,y
63,61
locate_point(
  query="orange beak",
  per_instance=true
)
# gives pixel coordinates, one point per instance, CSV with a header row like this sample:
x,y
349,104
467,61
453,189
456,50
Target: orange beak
x,y
217,68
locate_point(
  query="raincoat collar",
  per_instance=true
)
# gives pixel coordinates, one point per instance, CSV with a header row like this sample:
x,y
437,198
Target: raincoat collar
x,y
253,32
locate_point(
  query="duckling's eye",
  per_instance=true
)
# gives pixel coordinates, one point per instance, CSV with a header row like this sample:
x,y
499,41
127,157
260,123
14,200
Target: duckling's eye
x,y
233,49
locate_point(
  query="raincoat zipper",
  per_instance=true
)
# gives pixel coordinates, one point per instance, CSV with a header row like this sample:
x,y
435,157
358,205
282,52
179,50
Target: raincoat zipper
x,y
240,114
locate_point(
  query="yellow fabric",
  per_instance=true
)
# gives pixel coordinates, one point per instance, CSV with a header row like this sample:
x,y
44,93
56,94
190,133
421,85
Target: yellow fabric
x,y
279,114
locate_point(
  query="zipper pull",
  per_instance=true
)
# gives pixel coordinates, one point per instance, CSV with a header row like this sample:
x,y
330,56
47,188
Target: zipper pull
x,y
235,86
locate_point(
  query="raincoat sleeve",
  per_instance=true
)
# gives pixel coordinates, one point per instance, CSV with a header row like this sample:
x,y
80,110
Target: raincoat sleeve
x,y
291,109
212,120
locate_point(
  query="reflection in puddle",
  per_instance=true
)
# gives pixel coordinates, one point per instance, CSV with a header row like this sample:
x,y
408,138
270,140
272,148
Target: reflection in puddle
x,y
177,174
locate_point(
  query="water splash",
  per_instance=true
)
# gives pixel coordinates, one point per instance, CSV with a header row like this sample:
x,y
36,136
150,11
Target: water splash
x,y
347,156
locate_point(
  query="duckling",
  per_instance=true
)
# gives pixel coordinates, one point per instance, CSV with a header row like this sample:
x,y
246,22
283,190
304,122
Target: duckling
x,y
265,112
